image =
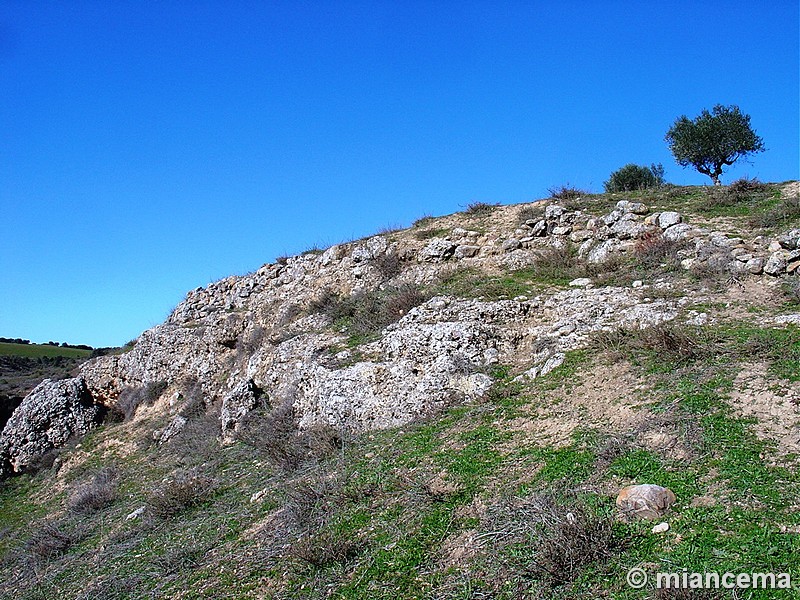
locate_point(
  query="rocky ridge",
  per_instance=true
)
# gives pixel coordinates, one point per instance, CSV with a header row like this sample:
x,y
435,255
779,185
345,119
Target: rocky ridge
x,y
258,339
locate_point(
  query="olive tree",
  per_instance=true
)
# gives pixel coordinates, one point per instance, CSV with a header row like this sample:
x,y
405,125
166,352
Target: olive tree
x,y
713,140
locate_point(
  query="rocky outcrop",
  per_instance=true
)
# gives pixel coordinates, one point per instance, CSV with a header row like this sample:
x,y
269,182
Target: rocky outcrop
x,y
49,416
245,341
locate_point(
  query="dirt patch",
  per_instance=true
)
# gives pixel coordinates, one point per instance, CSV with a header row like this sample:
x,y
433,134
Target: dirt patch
x,y
773,403
608,397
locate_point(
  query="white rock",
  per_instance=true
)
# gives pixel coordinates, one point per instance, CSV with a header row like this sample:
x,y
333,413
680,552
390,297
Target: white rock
x,y
660,528
668,219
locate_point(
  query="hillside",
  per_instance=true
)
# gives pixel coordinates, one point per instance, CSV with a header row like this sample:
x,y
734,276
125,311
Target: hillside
x,y
444,411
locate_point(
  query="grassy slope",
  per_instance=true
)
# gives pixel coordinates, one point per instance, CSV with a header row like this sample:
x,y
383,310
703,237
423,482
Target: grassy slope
x,y
467,504
40,350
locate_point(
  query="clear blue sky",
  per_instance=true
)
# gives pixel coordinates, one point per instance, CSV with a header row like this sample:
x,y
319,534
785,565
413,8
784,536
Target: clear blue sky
x,y
147,148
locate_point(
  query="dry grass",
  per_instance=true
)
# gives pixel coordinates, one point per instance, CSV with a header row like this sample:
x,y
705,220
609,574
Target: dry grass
x,y
52,539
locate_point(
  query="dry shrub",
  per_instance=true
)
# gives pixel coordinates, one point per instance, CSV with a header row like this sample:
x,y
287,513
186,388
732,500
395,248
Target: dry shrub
x,y
364,314
96,494
791,290
556,263
275,433
549,537
666,340
184,490
480,209
566,192
52,539
738,192
654,252
130,398
388,265
784,214
311,499
325,548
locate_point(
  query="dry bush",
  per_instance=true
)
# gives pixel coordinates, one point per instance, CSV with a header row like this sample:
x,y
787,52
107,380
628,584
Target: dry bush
x,y
549,537
364,314
275,434
130,398
52,539
738,192
667,340
556,263
96,494
566,192
388,265
480,209
325,548
312,499
184,490
654,252
196,442
791,290
784,214
533,212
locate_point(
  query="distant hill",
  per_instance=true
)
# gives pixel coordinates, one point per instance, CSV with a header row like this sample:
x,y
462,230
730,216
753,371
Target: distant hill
x,y
41,350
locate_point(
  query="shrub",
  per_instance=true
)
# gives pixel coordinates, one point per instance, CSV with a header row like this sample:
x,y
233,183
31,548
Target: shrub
x,y
364,314
480,208
665,340
184,490
634,177
566,192
52,539
325,548
550,537
740,191
653,252
784,214
130,398
97,494
275,433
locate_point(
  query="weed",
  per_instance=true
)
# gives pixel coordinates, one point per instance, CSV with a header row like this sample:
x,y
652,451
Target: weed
x,y
423,221
364,314
275,434
655,254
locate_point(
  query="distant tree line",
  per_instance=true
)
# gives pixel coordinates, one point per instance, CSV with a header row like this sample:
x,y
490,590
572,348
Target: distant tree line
x,y
5,340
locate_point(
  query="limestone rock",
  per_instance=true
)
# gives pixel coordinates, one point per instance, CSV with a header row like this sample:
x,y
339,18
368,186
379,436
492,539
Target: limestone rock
x,y
668,219
52,413
645,501
776,264
466,251
243,398
437,250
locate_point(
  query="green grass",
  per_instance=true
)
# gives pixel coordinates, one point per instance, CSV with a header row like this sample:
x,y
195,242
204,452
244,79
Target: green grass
x,y
41,350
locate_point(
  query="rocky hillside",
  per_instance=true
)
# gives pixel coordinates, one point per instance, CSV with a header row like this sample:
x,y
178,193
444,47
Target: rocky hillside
x,y
446,411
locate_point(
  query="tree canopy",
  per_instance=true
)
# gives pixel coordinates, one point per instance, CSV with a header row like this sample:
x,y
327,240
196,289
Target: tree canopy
x,y
713,140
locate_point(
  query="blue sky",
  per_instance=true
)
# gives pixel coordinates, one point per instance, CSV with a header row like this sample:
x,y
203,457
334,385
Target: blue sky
x,y
147,148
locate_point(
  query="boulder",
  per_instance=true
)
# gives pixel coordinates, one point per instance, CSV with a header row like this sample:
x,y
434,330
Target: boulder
x,y
645,501
776,264
437,250
49,416
466,251
668,219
